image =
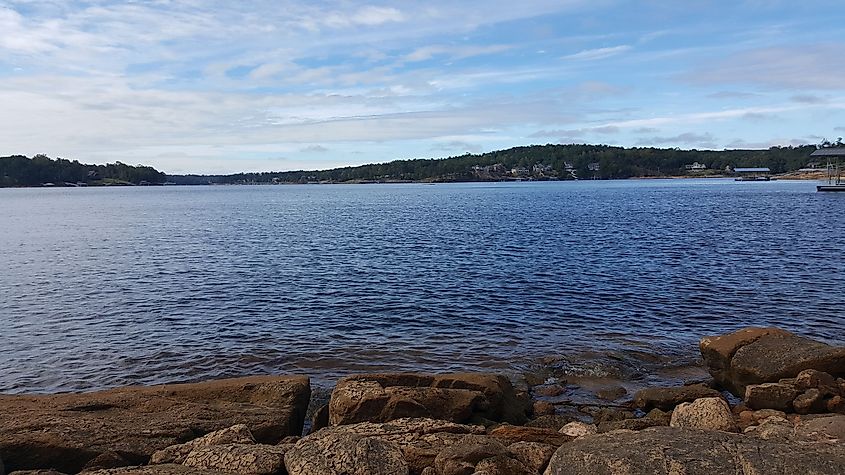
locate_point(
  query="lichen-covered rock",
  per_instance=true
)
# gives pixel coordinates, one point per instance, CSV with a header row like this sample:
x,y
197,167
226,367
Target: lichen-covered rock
x,y
502,465
810,378
666,399
778,396
252,459
237,434
461,458
578,429
827,428
533,455
451,397
37,472
164,469
419,439
672,450
809,402
341,452
766,355
66,431
710,413
509,434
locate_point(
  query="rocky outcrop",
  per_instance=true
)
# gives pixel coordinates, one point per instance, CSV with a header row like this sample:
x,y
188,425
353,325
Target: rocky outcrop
x,y
452,397
666,399
670,450
811,392
475,454
766,355
341,452
67,431
419,440
243,459
166,469
238,434
534,456
711,413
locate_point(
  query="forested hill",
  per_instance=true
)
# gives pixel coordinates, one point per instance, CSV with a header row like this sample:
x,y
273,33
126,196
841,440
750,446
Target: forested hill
x,y
539,162
554,162
40,170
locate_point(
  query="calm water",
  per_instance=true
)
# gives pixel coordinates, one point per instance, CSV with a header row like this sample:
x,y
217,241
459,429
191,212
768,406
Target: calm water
x,y
103,287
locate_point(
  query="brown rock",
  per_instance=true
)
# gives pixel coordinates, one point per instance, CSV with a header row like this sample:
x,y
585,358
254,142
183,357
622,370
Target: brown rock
x,y
512,434
666,399
836,404
718,351
764,355
320,418
420,440
543,408
66,431
710,413
776,356
628,424
777,396
237,434
106,460
165,469
253,459
578,429
461,458
551,421
502,465
810,378
612,394
533,455
331,452
809,402
552,390
452,397
827,428
671,450
36,472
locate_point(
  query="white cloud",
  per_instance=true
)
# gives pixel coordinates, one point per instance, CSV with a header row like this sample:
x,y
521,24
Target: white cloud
x,y
598,53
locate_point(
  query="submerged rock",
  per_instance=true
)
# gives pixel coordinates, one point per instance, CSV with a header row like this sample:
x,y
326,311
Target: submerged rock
x,y
67,431
670,450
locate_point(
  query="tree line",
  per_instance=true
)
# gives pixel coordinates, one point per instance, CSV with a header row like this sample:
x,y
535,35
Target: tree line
x,y
586,161
18,170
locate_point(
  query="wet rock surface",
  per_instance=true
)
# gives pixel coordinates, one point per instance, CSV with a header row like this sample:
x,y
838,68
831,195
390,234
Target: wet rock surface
x,y
766,355
67,431
485,424
452,397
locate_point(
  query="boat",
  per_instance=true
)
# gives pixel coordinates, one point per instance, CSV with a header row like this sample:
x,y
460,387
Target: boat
x,y
834,171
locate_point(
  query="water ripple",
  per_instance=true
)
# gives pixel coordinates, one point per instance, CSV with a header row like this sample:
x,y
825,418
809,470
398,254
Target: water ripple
x,y
104,287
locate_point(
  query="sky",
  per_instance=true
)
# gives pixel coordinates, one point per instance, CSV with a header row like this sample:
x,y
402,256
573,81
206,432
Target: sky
x,y
207,86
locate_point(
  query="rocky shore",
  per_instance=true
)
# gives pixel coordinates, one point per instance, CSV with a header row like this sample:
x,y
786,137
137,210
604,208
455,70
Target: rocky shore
x,y
773,403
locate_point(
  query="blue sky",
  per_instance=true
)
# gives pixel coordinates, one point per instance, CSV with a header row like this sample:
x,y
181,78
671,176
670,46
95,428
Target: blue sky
x,y
219,87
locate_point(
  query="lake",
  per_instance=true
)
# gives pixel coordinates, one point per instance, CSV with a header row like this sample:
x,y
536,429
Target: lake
x,y
110,286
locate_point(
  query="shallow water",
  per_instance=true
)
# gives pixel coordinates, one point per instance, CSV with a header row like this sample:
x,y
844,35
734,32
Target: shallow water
x,y
103,287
